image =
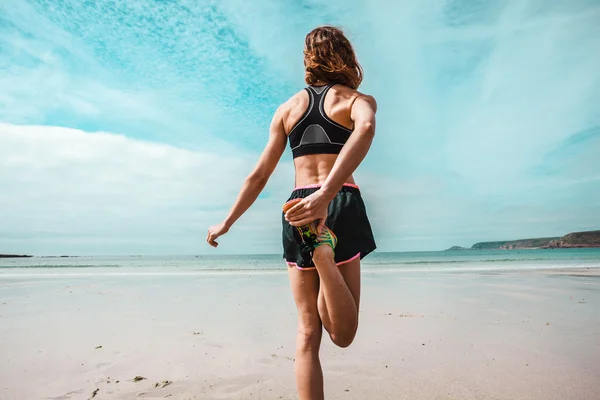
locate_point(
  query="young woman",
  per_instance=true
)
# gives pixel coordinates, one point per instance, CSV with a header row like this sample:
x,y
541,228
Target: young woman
x,y
330,127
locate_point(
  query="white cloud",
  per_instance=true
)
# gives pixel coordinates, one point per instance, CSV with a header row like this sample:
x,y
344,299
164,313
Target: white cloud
x,y
64,190
67,191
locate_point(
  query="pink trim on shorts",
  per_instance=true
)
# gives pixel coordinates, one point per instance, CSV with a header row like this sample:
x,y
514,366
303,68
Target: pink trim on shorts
x,y
318,185
293,264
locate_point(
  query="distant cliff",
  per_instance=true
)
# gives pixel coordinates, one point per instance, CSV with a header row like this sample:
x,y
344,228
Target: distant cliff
x,y
534,243
577,239
571,240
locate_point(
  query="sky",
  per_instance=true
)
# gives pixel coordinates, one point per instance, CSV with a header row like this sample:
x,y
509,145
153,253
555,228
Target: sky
x,y
128,127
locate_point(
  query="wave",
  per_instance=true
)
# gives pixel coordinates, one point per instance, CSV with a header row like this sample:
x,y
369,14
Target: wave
x,y
366,264
56,266
282,271
436,262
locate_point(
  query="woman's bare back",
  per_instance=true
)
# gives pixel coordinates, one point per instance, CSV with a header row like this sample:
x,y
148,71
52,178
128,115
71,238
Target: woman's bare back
x,y
314,168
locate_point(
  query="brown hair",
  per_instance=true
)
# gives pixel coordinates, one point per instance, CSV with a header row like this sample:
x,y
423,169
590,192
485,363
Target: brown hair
x,y
329,57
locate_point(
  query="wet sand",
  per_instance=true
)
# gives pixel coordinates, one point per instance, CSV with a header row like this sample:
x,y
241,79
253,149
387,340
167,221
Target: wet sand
x,y
487,335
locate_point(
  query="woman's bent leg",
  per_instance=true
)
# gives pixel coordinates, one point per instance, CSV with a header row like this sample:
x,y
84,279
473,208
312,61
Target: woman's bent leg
x,y
309,375
338,305
351,273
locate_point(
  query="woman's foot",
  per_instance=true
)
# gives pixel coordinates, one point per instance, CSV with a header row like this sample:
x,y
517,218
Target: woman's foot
x,y
326,237
309,232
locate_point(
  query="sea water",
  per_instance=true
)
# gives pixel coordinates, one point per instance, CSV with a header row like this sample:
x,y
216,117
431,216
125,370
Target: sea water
x,y
383,262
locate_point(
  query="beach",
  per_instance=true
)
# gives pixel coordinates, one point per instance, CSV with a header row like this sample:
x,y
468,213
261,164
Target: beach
x,y
229,334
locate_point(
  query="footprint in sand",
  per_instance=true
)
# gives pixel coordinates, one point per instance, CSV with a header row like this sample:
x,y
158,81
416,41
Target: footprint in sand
x,y
235,387
406,315
67,396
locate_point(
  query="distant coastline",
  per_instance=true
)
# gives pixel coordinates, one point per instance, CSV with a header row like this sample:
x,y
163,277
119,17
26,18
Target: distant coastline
x,y
29,256
574,240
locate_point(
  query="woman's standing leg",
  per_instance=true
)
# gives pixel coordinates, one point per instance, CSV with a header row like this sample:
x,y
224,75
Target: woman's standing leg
x,y
309,375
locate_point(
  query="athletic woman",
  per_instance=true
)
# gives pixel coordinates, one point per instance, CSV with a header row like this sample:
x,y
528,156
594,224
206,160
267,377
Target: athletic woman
x,y
326,233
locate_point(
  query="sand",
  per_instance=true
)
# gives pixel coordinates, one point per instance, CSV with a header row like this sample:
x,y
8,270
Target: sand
x,y
492,335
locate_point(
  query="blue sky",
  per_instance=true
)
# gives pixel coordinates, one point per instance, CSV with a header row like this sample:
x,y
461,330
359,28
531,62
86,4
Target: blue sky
x,y
128,128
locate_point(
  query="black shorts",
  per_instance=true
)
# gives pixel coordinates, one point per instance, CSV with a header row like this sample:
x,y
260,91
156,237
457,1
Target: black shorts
x,y
347,218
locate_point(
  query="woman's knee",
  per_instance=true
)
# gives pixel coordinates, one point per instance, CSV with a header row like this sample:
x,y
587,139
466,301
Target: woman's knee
x,y
309,335
344,339
322,254
343,336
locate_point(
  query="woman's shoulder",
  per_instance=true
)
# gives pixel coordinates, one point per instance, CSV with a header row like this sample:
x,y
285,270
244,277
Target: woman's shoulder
x,y
368,98
353,95
299,100
291,110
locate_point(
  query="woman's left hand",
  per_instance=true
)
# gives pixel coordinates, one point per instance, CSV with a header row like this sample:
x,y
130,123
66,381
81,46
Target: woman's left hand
x,y
214,232
309,209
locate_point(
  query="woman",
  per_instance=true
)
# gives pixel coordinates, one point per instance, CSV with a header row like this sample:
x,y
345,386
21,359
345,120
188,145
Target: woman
x,y
330,127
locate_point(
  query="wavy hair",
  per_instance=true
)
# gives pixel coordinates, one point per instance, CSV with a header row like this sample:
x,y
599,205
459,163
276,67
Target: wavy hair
x,y
329,57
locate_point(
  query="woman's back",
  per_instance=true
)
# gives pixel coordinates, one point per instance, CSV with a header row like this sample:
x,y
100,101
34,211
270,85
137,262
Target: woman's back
x,y
337,106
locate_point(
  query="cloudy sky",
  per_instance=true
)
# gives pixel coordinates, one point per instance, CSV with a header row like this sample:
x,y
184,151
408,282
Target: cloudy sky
x,y
127,127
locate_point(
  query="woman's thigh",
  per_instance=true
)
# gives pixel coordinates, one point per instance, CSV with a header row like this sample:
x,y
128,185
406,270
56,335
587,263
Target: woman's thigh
x,y
351,274
305,289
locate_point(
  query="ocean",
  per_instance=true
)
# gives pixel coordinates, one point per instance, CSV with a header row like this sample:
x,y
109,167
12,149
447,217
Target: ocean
x,y
392,262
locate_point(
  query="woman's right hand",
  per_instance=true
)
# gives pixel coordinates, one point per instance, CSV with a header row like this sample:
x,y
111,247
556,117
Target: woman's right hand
x,y
214,232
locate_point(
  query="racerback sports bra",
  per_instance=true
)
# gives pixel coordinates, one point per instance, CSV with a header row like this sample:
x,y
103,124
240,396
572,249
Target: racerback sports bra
x,y
316,133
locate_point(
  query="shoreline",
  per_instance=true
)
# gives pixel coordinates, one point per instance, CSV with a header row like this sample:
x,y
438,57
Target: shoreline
x,y
32,272
457,249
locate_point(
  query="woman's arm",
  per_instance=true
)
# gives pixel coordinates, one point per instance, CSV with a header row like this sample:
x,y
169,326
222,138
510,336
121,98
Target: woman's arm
x,y
314,207
256,181
356,148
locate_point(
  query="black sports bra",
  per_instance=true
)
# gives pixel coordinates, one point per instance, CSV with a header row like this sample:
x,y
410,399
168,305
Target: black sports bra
x,y
316,133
